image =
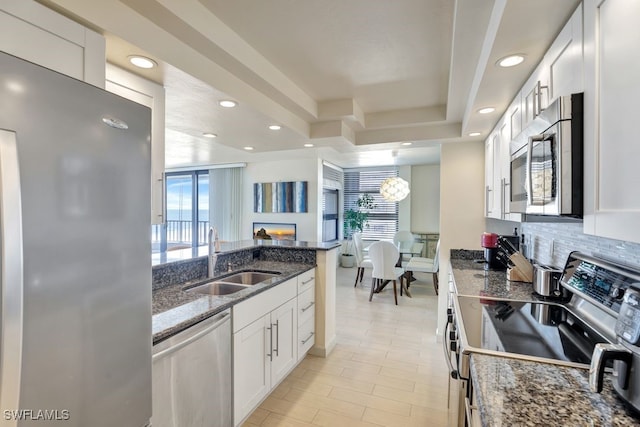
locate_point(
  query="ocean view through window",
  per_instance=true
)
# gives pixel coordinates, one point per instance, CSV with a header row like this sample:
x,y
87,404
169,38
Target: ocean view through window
x,y
187,212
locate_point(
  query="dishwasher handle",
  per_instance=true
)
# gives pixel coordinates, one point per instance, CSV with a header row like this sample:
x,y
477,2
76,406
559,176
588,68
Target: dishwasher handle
x,y
164,353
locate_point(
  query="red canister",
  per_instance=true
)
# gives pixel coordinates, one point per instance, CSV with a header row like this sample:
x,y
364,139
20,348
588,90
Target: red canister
x,y
489,240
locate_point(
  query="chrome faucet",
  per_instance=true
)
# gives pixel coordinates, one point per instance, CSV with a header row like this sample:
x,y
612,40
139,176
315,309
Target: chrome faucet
x,y
212,256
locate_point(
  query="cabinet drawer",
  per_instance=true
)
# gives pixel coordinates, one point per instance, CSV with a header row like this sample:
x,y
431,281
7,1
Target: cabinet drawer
x,y
306,305
306,337
306,280
258,305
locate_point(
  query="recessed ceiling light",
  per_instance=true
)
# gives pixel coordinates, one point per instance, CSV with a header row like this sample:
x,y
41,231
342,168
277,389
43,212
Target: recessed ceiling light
x,y
275,127
248,148
475,134
406,143
227,103
209,135
308,145
510,61
486,110
142,61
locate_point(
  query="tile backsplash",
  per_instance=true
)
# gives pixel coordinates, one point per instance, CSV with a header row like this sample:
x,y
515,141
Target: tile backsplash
x,y
550,243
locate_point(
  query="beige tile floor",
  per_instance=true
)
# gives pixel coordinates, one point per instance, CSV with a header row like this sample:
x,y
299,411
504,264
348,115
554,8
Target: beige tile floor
x,y
386,369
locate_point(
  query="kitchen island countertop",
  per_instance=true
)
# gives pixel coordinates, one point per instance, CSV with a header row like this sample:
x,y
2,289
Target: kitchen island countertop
x,y
174,309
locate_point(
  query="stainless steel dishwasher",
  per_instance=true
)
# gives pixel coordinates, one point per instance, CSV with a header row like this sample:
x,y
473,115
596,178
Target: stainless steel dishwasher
x,y
192,376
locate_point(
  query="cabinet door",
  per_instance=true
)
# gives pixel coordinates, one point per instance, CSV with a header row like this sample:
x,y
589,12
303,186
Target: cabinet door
x,y
251,366
284,330
612,202
535,94
142,91
33,32
564,59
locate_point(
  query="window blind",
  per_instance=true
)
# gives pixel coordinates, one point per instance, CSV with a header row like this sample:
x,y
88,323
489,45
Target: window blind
x,y
383,218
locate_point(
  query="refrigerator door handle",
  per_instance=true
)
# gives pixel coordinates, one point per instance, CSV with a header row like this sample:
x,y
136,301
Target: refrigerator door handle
x,y
11,272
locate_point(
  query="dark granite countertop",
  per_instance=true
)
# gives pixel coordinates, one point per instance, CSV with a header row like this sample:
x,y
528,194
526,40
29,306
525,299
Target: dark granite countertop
x,y
513,392
175,310
470,278
202,251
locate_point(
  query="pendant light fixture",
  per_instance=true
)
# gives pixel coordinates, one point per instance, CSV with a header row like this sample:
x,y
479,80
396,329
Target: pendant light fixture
x,y
394,189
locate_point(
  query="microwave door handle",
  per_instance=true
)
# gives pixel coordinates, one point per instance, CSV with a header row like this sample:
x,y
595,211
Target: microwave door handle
x,y
529,180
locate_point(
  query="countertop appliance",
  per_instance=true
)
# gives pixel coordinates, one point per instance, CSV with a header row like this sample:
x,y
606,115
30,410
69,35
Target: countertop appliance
x,y
543,331
192,376
547,172
546,282
75,252
625,353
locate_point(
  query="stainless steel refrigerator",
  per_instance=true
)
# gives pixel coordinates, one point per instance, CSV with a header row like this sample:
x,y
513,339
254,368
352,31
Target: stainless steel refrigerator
x,y
75,252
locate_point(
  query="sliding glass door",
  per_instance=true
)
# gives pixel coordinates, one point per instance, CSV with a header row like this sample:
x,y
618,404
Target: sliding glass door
x,y
187,216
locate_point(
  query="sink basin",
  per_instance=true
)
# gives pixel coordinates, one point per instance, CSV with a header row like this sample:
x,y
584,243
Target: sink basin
x,y
217,288
249,277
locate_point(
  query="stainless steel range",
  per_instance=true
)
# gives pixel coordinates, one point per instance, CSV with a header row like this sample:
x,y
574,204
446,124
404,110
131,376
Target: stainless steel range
x,y
540,330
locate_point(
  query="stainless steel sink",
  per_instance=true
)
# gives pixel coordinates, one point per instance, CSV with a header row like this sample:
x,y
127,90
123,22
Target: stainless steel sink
x,y
218,288
249,277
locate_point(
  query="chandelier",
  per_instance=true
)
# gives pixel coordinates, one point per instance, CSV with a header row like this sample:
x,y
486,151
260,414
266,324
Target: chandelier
x,y
394,189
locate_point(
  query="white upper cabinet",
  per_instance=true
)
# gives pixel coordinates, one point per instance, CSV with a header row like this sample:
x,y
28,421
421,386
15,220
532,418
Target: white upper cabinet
x,y
612,67
33,32
145,92
564,59
535,94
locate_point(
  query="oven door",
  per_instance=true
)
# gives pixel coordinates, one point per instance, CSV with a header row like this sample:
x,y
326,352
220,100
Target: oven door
x,y
518,187
542,174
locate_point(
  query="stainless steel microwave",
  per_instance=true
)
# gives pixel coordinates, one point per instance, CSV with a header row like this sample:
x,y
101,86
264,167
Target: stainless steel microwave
x,y
547,171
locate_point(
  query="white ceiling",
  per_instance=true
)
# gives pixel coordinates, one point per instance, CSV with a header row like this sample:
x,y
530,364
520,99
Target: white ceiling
x,y
355,78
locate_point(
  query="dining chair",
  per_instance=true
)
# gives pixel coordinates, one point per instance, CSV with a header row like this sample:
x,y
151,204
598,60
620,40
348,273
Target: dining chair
x,y
384,256
362,261
425,265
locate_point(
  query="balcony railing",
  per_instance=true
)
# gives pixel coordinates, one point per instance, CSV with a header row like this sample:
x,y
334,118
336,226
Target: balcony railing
x,y
180,232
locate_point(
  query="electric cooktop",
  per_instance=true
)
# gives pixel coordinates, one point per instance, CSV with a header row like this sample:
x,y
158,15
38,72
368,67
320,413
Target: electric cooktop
x,y
532,330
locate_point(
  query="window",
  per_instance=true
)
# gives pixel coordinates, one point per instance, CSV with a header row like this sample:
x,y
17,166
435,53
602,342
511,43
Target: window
x,y
383,218
187,214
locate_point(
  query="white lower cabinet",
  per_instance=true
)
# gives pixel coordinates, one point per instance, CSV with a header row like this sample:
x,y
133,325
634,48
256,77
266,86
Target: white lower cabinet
x,y
269,339
264,349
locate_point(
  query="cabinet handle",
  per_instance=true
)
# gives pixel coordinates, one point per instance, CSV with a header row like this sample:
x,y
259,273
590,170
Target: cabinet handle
x,y
486,201
270,343
502,199
538,99
307,281
277,325
311,304
308,338
507,196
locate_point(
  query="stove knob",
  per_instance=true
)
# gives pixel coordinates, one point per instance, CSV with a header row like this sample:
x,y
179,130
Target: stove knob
x,y
616,292
453,346
452,335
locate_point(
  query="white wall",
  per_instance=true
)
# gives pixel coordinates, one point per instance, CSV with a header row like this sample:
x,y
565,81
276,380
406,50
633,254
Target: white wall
x,y
283,170
461,207
425,198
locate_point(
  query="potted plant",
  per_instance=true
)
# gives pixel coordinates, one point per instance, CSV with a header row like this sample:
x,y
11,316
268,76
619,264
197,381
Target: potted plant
x,y
355,220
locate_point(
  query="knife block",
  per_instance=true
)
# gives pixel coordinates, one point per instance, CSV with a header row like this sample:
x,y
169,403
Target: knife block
x,y
522,271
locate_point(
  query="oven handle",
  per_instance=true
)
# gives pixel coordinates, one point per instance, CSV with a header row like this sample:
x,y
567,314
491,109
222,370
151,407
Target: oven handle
x,y
447,355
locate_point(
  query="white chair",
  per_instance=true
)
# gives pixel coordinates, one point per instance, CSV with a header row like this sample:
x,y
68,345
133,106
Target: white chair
x,y
384,256
362,261
425,265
